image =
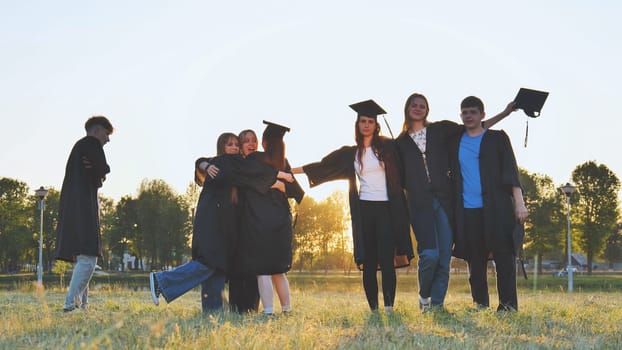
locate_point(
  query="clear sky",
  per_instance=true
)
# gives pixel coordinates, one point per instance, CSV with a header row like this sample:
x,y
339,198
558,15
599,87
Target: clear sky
x,y
172,75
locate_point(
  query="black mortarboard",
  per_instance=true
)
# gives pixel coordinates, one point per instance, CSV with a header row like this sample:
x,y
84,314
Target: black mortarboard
x,y
530,101
368,108
274,130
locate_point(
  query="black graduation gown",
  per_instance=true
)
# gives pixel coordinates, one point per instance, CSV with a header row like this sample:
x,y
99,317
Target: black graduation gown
x,y
498,173
420,191
215,227
266,228
78,230
339,165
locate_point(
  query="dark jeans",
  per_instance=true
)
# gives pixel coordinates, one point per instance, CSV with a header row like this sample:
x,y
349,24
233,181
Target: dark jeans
x,y
211,293
379,250
478,262
433,269
176,282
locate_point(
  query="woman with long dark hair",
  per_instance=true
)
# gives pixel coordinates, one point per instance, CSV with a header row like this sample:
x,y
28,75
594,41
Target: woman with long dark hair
x,y
378,208
266,226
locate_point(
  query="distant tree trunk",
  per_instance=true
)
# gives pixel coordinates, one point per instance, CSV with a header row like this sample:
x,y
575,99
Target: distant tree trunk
x,y
590,256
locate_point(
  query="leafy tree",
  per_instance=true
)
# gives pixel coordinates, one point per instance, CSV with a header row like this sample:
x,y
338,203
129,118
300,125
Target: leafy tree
x,y
191,198
613,250
107,219
163,223
597,210
319,233
305,233
60,268
50,221
546,221
333,221
124,235
16,237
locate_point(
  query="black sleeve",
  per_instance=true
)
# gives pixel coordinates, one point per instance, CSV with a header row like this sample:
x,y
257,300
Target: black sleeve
x,y
334,166
245,172
449,129
394,154
199,176
94,160
509,168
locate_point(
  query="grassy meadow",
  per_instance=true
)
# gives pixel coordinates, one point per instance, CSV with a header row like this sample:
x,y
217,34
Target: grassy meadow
x,y
330,312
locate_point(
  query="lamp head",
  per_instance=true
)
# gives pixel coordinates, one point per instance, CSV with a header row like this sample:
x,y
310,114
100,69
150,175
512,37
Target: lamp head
x,y
41,192
568,189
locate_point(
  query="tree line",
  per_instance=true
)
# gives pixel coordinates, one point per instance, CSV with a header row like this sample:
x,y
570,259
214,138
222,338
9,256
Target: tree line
x,y
155,225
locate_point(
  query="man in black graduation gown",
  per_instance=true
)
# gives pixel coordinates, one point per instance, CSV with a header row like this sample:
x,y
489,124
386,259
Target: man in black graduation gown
x,y
489,204
78,237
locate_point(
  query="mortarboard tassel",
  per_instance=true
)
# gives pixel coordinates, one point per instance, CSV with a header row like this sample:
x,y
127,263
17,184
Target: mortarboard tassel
x,y
526,131
388,127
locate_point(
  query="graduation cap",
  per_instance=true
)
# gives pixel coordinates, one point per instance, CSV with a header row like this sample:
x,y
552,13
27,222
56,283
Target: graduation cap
x,y
367,108
274,130
370,109
530,101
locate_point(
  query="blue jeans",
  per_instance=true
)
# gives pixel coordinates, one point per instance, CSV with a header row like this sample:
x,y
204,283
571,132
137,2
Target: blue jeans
x,y
176,282
434,263
78,292
211,293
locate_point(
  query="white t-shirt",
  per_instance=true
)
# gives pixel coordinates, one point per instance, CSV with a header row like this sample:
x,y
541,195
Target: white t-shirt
x,y
372,178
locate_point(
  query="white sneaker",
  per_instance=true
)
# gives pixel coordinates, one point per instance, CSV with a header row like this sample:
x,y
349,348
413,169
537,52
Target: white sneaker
x,y
155,289
425,303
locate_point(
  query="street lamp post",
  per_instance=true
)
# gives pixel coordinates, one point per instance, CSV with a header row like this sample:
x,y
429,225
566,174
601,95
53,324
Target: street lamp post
x,y
41,193
568,189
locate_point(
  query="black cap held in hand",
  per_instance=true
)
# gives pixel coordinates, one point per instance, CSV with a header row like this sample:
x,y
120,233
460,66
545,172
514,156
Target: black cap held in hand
x,y
530,101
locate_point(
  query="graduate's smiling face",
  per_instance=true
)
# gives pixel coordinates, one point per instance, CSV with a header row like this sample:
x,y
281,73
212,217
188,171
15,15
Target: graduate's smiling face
x,y
367,126
232,146
249,143
417,109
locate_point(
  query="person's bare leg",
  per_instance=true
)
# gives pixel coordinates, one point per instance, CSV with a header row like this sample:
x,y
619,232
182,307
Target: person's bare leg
x,y
266,294
282,290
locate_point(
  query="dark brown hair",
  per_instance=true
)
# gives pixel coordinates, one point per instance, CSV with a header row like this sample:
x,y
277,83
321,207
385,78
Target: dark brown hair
x,y
472,101
220,150
376,144
222,141
274,149
98,120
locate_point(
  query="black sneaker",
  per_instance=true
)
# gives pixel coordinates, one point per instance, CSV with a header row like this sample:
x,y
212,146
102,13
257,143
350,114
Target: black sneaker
x,y
155,288
70,309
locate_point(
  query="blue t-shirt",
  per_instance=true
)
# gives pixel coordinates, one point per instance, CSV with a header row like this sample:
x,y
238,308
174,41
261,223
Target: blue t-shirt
x,y
468,155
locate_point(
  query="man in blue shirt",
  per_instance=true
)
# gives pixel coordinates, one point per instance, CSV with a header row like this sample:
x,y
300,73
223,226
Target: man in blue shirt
x,y
489,203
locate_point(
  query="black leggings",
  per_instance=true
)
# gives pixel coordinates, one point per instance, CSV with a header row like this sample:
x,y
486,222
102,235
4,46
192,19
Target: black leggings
x,y
379,250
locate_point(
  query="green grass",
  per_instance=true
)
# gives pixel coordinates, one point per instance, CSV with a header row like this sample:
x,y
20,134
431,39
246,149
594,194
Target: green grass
x,y
330,312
